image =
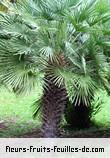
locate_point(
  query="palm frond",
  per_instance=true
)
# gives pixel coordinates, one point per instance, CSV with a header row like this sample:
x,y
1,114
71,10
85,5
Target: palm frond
x,y
16,70
36,107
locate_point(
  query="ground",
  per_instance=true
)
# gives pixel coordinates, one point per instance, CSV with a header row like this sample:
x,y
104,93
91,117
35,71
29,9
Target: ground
x,y
91,133
16,117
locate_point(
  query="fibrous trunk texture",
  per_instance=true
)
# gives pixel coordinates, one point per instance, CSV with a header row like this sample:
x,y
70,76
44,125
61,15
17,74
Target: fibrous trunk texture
x,y
54,101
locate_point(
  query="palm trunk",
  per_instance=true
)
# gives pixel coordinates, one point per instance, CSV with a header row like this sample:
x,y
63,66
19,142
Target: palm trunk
x,y
54,101
78,116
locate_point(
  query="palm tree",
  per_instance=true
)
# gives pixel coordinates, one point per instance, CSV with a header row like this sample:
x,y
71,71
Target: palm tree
x,y
54,43
31,44
93,54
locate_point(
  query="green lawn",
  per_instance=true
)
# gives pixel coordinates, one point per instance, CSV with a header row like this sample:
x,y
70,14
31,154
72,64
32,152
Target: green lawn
x,y
102,118
16,113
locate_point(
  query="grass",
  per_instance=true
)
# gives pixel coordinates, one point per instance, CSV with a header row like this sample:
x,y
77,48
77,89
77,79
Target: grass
x,y
16,113
102,118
